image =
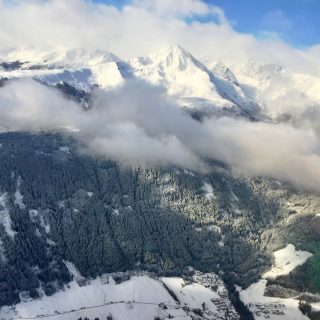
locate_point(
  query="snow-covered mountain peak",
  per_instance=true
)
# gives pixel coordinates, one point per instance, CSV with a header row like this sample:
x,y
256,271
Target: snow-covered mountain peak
x,y
263,71
219,69
174,56
185,78
191,82
280,90
73,58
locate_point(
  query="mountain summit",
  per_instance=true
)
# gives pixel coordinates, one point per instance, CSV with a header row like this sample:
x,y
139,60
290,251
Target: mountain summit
x,y
205,87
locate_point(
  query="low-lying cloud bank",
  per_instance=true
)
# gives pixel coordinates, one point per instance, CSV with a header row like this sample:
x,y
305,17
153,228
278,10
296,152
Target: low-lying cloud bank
x,y
138,125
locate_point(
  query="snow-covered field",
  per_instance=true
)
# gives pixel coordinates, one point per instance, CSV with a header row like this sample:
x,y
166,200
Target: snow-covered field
x,y
200,295
286,260
92,300
274,308
141,297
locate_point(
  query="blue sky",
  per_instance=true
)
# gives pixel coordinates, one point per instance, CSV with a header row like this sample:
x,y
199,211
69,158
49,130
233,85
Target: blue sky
x,y
295,21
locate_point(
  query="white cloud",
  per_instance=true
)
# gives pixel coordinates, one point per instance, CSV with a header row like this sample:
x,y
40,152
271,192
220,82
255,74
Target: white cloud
x,y
138,125
181,9
141,28
28,105
174,8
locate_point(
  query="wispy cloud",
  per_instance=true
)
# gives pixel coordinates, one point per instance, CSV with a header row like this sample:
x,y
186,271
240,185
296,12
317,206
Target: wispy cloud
x,y
277,20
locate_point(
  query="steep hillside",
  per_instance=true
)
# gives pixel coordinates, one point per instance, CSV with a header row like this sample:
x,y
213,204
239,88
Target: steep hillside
x,y
58,205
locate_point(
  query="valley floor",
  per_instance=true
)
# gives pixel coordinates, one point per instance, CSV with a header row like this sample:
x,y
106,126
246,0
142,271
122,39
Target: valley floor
x,y
140,297
274,308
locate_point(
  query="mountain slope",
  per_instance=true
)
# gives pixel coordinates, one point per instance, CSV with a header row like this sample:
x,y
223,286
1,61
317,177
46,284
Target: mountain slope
x,y
280,91
60,205
65,59
189,81
251,89
186,80
183,76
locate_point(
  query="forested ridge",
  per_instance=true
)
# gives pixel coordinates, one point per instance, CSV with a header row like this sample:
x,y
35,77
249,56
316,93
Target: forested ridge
x,y
59,204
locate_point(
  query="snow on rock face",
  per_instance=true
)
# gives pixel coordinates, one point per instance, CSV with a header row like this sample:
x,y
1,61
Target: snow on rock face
x,y
230,88
18,197
36,216
280,90
73,271
5,219
208,191
219,69
262,307
184,77
106,75
79,79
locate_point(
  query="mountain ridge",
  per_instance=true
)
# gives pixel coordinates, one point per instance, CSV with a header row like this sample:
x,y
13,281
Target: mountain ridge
x,y
252,89
184,77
